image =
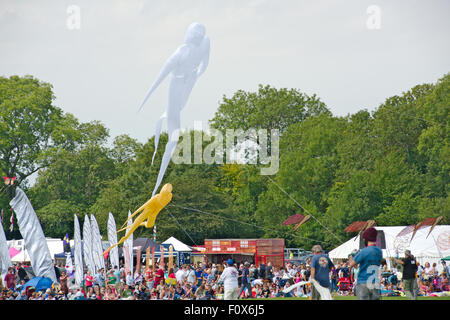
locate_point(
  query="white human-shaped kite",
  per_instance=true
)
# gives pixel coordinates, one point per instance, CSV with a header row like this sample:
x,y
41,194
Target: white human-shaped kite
x,y
183,67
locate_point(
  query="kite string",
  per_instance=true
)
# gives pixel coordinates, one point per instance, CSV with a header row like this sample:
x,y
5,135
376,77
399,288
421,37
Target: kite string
x,y
181,227
250,224
340,240
254,225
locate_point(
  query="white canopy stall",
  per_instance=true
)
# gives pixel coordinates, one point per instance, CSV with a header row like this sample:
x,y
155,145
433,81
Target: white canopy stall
x,y
177,245
431,249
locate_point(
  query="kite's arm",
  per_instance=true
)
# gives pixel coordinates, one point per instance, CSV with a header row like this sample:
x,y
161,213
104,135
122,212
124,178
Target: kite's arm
x,y
205,61
136,212
167,68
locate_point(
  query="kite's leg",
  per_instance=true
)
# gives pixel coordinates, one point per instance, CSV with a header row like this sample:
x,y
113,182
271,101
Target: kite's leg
x,y
179,91
123,229
150,220
135,213
131,228
158,133
170,149
173,128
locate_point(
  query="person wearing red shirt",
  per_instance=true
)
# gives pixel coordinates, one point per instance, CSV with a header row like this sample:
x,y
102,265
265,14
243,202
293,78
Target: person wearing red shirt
x,y
10,279
148,274
159,276
171,278
89,280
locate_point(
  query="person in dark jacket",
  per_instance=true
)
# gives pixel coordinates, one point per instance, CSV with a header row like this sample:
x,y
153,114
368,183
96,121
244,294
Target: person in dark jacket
x,y
409,274
262,271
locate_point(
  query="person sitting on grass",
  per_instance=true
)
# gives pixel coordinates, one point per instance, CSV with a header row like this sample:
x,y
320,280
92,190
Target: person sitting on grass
x,y
209,294
265,291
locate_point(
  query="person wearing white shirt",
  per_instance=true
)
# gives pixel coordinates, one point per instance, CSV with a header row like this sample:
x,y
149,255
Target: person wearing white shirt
x,y
229,277
181,274
129,280
427,271
292,272
190,275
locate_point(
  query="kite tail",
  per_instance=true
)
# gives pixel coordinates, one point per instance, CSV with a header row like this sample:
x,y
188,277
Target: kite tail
x,y
158,133
109,249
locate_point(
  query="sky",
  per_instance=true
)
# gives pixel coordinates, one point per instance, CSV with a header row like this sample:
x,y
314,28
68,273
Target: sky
x,y
101,56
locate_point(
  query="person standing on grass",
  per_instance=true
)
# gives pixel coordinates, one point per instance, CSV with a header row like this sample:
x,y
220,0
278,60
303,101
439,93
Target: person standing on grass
x,y
409,274
320,270
10,279
229,277
369,260
245,281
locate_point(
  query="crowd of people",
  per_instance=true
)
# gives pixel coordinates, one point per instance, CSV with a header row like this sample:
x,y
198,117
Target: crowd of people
x,y
200,281
229,280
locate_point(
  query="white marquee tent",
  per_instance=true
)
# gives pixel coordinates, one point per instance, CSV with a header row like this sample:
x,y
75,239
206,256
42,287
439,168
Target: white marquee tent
x,y
177,245
431,249
54,245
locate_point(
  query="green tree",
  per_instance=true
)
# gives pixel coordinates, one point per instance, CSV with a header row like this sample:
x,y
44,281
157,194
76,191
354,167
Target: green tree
x,y
56,218
309,162
31,128
269,108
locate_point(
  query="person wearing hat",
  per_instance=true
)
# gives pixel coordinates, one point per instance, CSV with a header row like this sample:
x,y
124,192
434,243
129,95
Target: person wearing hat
x,y
320,270
369,261
229,277
409,276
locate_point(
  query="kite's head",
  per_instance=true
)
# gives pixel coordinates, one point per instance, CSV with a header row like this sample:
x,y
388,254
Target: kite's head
x,y
195,34
167,188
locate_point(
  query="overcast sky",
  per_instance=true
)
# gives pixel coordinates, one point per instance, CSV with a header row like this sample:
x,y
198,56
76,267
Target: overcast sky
x,y
334,49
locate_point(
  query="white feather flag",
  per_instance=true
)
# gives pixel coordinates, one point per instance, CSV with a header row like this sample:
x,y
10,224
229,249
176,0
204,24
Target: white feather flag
x,y
79,269
97,249
87,245
129,244
33,236
5,260
112,238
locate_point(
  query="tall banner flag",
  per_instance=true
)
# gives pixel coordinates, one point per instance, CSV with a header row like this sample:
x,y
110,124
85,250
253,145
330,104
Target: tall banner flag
x,y
5,259
138,260
127,259
170,257
79,269
68,254
97,248
153,259
87,246
33,236
161,257
11,220
112,238
129,245
147,258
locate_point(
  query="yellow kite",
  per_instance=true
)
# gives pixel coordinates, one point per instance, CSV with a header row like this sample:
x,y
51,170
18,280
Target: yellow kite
x,y
150,210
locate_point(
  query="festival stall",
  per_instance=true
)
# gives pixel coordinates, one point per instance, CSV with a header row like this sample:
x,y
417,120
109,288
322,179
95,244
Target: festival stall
x,y
184,254
426,248
258,251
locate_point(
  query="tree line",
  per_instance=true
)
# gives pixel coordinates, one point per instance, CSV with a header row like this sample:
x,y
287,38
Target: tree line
x,y
390,165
